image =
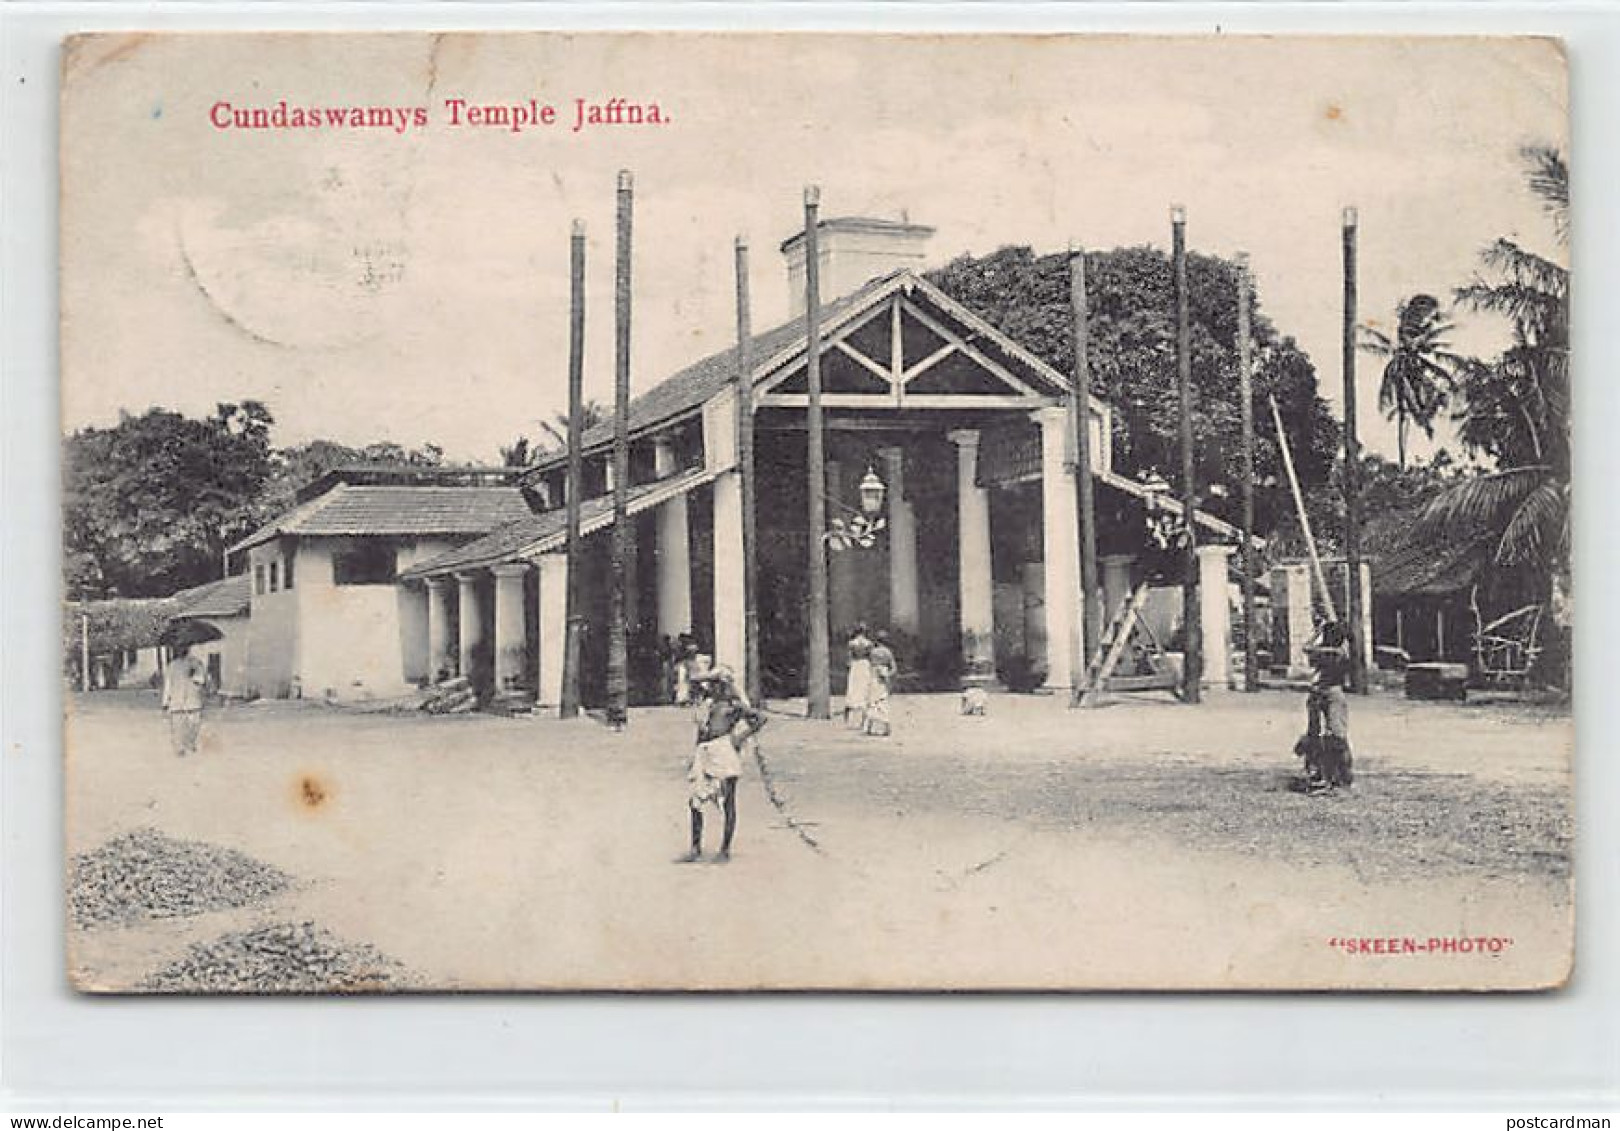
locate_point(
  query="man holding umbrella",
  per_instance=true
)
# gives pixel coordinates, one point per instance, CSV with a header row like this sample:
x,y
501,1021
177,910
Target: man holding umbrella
x,y
183,684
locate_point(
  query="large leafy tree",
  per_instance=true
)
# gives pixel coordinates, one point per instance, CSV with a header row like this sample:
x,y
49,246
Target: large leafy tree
x,y
1419,366
150,504
294,467
1514,409
1133,360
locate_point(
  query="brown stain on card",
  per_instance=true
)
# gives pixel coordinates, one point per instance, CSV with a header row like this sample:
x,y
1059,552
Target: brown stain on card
x,y
311,792
1334,112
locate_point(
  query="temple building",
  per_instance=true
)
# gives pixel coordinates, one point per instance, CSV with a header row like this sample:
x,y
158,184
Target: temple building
x,y
327,617
976,569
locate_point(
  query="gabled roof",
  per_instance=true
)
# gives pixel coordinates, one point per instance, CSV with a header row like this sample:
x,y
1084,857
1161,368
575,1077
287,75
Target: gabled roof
x,y
1431,568
396,510
1174,505
540,533
228,597
686,391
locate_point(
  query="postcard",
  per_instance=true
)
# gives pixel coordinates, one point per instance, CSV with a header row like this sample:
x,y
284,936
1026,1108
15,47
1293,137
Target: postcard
x,y
723,511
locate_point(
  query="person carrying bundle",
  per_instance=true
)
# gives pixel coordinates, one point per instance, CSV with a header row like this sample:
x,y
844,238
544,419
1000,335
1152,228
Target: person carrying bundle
x,y
727,722
1326,744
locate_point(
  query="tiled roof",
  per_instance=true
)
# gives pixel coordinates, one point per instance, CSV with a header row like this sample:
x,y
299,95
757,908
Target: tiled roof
x,y
1430,568
537,533
687,390
349,509
228,597
1172,504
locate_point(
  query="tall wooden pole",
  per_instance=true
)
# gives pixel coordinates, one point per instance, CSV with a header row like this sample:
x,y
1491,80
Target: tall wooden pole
x,y
1191,610
745,470
574,611
818,693
1251,662
1304,515
624,544
1352,466
1086,495
84,651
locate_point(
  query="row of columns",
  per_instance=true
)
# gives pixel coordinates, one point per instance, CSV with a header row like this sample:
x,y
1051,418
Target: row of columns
x,y
674,578
454,651
1061,569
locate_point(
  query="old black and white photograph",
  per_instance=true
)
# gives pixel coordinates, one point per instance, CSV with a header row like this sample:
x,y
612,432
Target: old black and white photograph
x,y
683,511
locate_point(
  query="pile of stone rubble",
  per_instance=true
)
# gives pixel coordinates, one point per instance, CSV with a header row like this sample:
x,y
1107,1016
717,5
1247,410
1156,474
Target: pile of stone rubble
x,y
147,875
279,958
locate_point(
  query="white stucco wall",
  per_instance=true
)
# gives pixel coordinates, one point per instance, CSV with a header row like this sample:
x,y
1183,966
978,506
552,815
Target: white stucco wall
x,y
233,649
271,662
359,641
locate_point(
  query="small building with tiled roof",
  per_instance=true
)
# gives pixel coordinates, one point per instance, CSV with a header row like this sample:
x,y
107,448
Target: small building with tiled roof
x,y
225,606
327,617
975,569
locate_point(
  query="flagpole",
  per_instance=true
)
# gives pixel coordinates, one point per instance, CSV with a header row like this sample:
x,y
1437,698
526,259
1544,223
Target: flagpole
x,y
573,613
1251,663
752,681
818,691
1191,611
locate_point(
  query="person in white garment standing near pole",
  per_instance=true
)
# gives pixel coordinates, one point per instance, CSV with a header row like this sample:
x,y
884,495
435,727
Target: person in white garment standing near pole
x,y
183,682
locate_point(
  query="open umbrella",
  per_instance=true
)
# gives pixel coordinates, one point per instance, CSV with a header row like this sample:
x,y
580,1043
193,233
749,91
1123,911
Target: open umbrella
x,y
183,631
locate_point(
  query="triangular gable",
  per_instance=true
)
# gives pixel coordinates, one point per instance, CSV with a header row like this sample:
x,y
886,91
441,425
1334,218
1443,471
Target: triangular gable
x,y
853,326
911,345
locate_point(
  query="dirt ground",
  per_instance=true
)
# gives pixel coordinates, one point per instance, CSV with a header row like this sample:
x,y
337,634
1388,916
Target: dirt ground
x,y
1141,845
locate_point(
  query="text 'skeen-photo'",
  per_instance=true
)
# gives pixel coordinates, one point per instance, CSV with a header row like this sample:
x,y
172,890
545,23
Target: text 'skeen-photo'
x,y
835,512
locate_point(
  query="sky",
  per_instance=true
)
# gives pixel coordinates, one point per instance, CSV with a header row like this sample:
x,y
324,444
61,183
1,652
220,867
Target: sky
x,y
412,286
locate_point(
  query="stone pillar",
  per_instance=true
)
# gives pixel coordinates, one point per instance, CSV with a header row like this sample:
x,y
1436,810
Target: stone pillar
x,y
841,568
674,549
551,615
728,572
975,582
471,621
441,659
904,615
674,568
1116,583
1341,579
1060,527
1291,624
510,623
1215,614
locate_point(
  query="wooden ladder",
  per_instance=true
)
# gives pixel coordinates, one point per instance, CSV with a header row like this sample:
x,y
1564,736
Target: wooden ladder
x,y
1127,623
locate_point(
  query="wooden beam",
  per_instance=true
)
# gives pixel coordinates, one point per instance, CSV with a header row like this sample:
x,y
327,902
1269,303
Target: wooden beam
x,y
971,350
784,362
897,351
913,400
862,360
929,362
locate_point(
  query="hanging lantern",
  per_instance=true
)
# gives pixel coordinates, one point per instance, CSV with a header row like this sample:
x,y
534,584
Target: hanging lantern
x,y
872,492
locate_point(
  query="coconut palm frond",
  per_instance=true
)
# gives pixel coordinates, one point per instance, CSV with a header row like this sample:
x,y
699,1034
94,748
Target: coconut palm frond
x,y
1485,501
1521,269
1538,526
1375,341
1548,175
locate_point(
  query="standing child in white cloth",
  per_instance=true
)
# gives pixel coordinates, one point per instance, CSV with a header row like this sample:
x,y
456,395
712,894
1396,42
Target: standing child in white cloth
x,y
727,722
183,682
884,669
858,688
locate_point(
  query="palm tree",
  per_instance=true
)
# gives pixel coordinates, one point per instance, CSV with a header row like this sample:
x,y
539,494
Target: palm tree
x,y
1515,409
1419,368
516,454
556,429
